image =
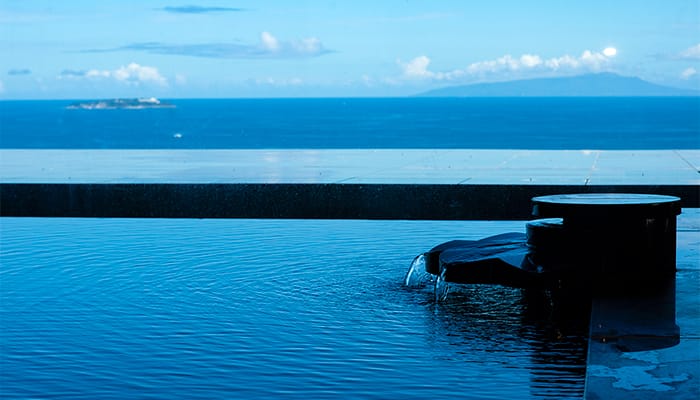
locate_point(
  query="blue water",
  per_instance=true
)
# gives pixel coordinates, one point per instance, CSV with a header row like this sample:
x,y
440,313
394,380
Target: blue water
x,y
477,123
118,308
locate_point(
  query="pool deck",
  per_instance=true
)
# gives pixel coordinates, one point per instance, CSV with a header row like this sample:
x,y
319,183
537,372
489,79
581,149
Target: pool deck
x,y
355,184
632,350
402,184
395,166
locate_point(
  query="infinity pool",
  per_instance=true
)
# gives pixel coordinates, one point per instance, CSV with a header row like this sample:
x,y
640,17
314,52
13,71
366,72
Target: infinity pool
x,y
116,308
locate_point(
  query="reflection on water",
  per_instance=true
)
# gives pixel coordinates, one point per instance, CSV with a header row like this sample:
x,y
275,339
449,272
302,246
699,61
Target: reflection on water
x,y
116,308
521,326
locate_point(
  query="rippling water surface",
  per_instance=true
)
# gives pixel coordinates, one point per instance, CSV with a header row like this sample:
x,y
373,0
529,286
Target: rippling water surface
x,y
115,308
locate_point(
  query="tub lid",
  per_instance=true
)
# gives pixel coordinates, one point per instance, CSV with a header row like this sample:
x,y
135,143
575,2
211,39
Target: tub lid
x,y
605,205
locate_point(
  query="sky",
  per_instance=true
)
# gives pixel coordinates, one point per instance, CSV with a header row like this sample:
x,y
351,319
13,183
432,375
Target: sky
x,y
77,49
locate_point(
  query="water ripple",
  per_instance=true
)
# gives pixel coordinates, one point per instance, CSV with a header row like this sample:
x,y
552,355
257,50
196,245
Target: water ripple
x,y
262,308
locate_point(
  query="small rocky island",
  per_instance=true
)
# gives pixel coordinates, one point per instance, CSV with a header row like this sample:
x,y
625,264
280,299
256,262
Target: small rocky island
x,y
125,104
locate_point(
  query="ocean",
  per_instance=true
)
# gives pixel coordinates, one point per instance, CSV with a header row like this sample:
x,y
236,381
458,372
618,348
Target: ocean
x,y
446,123
291,309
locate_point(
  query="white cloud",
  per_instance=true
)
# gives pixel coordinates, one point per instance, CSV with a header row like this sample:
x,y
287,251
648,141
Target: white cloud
x,y
691,53
562,62
269,42
270,81
417,68
610,51
506,62
305,47
529,60
268,47
296,48
135,73
594,61
93,73
132,74
2,87
308,46
688,73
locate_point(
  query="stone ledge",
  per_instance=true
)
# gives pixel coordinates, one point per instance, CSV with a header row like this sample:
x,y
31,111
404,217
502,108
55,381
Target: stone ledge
x,y
290,200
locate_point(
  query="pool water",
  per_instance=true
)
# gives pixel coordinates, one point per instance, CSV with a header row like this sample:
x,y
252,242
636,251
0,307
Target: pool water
x,y
284,309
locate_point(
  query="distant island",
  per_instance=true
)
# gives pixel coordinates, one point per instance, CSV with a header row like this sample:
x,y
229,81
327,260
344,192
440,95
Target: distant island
x,y
126,104
601,84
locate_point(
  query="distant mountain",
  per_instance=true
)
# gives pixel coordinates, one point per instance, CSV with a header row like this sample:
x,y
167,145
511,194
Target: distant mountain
x,y
601,84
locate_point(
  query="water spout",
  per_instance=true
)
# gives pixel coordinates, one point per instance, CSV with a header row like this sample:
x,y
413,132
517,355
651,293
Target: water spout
x,y
442,289
417,277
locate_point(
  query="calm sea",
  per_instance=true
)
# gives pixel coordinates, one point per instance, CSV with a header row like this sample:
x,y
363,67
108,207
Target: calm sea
x,y
479,123
156,308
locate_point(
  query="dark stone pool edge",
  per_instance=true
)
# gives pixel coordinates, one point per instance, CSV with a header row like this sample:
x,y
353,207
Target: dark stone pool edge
x,y
299,201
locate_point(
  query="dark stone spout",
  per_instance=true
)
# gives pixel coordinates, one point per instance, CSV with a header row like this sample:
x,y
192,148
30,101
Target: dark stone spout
x,y
584,241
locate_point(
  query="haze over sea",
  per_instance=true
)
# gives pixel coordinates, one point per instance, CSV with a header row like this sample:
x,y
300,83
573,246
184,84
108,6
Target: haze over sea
x,y
496,123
